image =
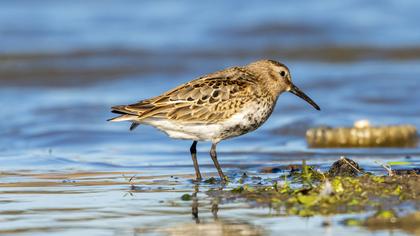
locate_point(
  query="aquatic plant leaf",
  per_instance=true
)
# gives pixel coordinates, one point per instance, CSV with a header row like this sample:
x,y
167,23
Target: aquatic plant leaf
x,y
308,200
186,197
337,185
398,163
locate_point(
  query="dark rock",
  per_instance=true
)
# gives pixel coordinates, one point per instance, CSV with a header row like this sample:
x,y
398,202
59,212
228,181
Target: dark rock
x,y
294,168
413,171
345,167
271,169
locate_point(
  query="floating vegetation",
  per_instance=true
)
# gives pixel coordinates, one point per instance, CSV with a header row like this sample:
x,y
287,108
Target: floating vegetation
x,y
345,188
186,197
388,220
210,180
363,135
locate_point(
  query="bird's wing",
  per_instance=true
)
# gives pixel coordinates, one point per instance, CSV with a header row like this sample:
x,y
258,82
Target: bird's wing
x,y
205,100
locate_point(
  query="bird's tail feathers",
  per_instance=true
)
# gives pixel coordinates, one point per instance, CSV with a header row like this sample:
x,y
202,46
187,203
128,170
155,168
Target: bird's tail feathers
x,y
123,118
125,115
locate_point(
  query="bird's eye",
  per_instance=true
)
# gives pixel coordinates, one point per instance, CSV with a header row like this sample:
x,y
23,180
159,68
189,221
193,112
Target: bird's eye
x,y
282,73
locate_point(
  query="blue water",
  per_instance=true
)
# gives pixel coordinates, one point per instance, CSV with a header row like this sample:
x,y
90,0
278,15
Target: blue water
x,y
63,64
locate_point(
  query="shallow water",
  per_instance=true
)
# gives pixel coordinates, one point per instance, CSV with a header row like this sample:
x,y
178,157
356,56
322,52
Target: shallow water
x,y
65,170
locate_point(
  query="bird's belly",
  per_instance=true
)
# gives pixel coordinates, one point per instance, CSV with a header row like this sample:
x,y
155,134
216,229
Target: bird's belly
x,y
180,130
241,123
246,121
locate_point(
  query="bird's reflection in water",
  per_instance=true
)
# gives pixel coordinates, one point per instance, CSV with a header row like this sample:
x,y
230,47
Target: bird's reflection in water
x,y
217,226
195,204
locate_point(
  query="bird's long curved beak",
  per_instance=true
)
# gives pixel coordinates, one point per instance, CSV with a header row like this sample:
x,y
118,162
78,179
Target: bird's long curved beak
x,y
296,91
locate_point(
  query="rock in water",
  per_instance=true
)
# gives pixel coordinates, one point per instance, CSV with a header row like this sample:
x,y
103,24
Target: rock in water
x,y
345,167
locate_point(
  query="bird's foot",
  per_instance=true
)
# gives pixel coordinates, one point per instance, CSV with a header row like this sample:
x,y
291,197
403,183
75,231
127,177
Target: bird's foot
x,y
224,179
197,180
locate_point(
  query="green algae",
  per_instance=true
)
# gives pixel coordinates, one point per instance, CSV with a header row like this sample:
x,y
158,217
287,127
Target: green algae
x,y
211,180
308,191
388,220
377,202
333,195
186,197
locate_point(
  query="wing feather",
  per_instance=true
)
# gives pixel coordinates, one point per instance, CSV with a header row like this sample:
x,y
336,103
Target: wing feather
x,y
208,99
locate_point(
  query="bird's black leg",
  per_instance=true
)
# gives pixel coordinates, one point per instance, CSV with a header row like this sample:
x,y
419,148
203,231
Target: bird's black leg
x,y
193,150
213,155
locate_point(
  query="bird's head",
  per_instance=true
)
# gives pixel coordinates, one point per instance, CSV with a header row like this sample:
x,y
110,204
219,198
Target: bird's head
x,y
276,76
